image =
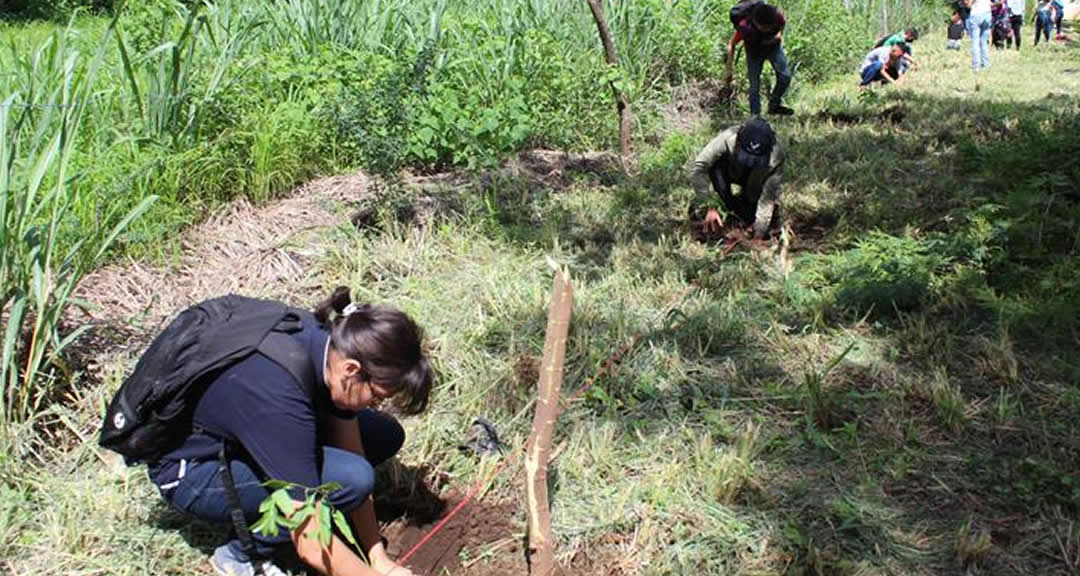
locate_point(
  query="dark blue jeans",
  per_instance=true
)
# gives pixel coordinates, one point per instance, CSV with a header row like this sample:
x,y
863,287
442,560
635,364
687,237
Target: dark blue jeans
x,y
755,62
202,494
872,73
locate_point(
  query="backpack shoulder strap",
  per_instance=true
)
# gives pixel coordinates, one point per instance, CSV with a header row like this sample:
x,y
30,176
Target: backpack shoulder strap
x,y
286,352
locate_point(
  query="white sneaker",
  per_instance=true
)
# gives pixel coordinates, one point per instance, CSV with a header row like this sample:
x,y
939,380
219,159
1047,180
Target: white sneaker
x,y
226,563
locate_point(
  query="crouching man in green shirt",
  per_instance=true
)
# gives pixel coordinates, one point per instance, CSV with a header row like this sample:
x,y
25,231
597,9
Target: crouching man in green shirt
x,y
749,156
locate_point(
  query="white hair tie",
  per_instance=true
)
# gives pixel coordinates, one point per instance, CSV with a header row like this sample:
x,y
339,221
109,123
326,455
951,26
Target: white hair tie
x,y
351,309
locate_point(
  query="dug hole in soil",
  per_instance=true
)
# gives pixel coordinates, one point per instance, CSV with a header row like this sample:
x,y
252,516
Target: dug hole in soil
x,y
481,540
485,538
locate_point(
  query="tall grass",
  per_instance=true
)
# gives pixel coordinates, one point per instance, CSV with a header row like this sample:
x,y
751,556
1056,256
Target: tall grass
x,y
174,82
39,268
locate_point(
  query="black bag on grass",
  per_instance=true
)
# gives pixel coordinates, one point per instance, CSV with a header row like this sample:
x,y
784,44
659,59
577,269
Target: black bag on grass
x,y
151,413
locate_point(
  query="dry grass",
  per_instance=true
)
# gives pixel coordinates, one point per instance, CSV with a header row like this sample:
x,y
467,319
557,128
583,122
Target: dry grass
x,y
256,250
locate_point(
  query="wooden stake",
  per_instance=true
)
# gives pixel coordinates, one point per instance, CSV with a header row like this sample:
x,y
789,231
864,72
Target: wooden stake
x,y
537,454
622,103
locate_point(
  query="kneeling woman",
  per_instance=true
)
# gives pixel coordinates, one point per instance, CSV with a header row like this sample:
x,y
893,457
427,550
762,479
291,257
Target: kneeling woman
x,y
361,356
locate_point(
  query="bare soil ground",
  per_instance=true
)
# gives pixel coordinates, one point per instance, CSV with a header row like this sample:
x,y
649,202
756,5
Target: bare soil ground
x,y
482,540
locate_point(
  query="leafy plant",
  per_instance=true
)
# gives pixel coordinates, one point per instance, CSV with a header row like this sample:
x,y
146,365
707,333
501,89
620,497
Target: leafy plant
x,y
281,510
459,125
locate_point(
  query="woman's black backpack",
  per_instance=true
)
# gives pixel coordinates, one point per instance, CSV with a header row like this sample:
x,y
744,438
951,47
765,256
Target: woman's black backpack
x,y
151,412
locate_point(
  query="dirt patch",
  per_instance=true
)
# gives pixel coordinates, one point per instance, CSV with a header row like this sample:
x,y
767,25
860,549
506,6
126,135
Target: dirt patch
x,y
892,115
691,104
482,539
838,117
558,168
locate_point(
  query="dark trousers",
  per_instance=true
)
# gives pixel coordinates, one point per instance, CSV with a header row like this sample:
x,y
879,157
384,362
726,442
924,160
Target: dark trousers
x,y
1017,22
201,492
1042,28
743,206
755,62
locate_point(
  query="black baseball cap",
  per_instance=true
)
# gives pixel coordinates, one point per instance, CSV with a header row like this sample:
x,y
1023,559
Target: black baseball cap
x,y
754,143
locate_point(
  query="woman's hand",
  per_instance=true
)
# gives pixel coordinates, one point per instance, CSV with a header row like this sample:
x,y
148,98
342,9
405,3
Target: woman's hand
x,y
381,563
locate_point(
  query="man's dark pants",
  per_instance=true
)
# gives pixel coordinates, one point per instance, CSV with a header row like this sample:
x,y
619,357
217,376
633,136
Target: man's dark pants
x,y
755,62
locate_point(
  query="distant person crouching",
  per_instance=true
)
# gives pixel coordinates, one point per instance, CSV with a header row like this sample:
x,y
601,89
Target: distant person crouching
x,y
882,64
955,32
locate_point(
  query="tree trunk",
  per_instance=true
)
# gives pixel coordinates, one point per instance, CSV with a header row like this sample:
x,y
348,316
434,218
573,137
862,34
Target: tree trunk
x,y
622,103
541,547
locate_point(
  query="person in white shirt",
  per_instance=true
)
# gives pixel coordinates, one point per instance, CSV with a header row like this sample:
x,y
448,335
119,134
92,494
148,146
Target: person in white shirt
x,y
1017,9
882,64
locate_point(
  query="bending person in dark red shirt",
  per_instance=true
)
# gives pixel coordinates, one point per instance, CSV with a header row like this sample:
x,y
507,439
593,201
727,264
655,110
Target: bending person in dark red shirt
x,y
760,27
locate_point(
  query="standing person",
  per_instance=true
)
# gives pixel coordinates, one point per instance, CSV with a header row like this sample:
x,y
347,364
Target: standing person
x,y
978,28
955,32
760,27
750,156
882,64
1043,20
1017,10
1059,17
266,426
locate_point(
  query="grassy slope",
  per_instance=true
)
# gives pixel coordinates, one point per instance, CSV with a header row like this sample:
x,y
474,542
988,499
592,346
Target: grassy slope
x,y
696,457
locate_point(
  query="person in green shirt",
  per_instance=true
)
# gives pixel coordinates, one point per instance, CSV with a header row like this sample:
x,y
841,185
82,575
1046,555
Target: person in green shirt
x,y
903,38
749,156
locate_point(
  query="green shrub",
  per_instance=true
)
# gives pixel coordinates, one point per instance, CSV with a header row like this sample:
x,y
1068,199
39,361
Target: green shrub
x,y
880,275
370,114
884,273
666,166
823,38
468,126
1033,271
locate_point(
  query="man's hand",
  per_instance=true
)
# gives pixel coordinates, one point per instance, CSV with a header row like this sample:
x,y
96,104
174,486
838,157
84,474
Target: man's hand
x,y
758,241
713,223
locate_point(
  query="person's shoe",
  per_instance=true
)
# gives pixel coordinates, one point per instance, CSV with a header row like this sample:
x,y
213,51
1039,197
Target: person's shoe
x,y
226,563
781,110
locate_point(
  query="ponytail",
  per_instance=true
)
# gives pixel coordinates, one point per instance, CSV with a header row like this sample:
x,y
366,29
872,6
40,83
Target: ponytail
x,y
334,304
386,342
